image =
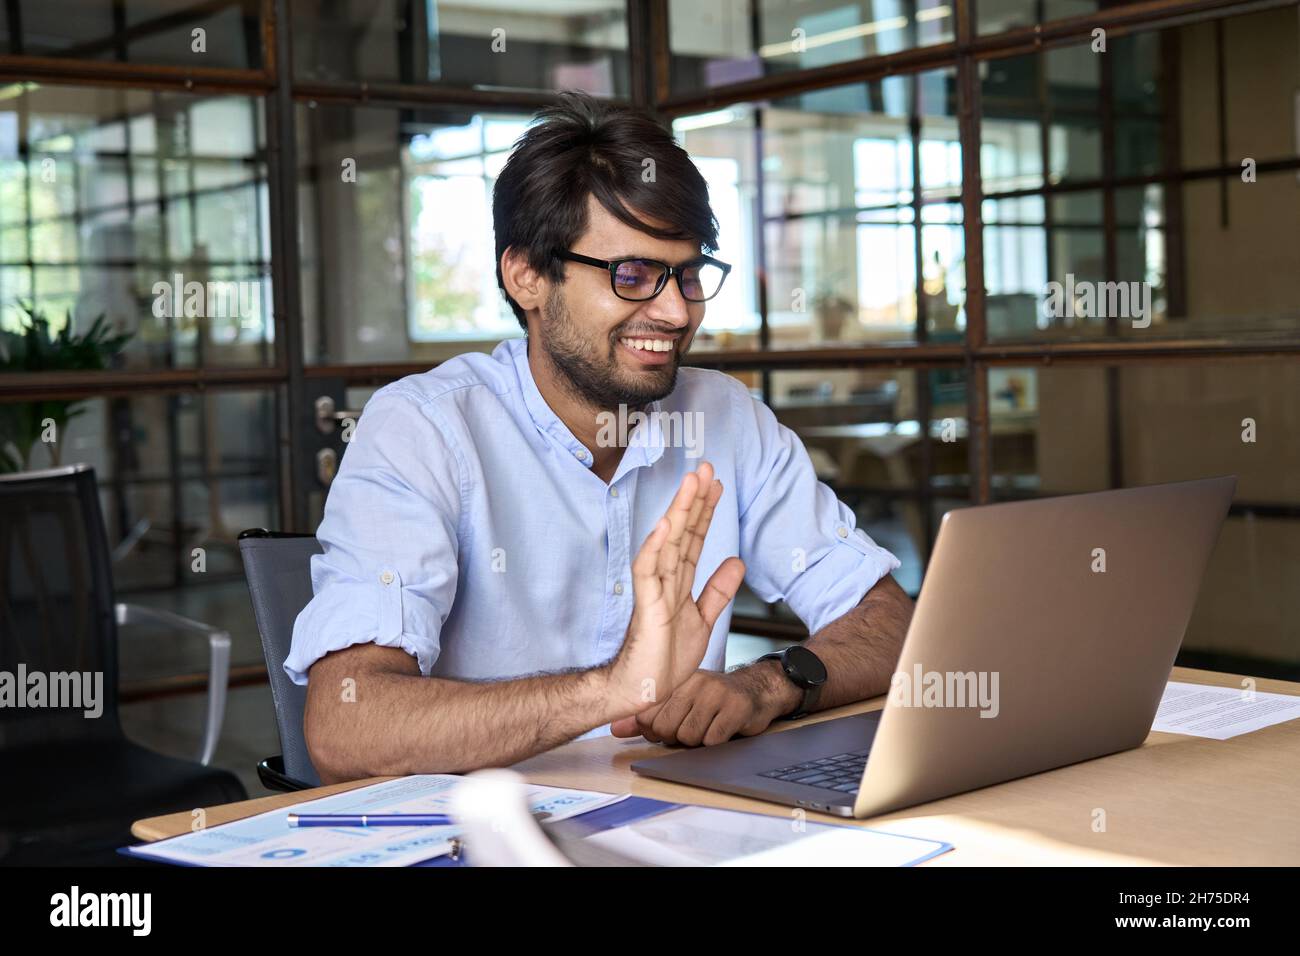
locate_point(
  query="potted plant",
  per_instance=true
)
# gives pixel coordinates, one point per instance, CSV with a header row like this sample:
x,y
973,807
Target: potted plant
x,y
33,349
832,311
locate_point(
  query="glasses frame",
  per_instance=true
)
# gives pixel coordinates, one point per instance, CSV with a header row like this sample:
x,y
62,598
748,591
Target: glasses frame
x,y
670,271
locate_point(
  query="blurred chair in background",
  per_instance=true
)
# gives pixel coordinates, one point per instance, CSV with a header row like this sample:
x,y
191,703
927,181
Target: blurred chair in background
x,y
73,782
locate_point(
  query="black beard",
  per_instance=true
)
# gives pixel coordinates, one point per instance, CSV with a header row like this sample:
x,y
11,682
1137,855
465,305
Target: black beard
x,y
591,378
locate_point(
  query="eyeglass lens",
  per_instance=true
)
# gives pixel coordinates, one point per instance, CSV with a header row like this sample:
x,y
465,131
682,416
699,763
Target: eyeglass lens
x,y
642,278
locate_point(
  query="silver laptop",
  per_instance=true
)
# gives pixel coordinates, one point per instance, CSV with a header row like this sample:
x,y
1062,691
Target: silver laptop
x,y
1043,635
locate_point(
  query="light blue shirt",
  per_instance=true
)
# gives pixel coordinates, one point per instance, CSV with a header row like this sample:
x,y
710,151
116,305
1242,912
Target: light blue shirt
x,y
465,524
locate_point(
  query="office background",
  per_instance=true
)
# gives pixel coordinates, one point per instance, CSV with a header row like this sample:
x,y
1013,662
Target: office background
x,y
897,181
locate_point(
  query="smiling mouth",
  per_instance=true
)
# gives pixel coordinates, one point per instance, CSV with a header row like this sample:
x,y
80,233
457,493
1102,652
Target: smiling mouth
x,y
649,353
648,345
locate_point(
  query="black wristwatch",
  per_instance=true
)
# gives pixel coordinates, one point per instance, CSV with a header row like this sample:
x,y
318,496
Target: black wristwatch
x,y
804,669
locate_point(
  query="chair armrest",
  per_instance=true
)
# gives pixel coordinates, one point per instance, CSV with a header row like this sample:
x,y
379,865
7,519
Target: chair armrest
x,y
218,662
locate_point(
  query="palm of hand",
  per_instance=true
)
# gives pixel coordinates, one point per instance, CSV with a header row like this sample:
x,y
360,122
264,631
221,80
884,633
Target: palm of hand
x,y
669,631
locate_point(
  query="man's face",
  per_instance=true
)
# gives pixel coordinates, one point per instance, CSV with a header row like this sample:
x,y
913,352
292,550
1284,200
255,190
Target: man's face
x,y
597,340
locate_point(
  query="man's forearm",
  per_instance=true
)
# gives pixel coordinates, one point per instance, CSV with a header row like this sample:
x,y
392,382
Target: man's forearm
x,y
860,650
402,723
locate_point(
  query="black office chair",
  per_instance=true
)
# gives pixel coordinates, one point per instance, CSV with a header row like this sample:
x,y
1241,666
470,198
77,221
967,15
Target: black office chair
x,y
73,784
278,568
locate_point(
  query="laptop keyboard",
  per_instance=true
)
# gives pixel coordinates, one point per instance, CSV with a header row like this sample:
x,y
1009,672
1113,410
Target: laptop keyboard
x,y
841,772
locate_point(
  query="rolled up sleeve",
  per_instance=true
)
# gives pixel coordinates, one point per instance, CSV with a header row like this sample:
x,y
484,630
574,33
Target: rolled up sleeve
x,y
799,542
388,571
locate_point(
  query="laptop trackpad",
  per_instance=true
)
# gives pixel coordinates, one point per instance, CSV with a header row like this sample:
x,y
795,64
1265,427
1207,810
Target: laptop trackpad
x,y
746,756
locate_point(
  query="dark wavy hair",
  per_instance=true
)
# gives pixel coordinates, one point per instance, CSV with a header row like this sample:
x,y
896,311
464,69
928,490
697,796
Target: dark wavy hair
x,y
584,147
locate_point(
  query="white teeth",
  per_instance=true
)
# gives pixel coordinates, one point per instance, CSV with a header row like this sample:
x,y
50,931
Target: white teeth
x,y
649,345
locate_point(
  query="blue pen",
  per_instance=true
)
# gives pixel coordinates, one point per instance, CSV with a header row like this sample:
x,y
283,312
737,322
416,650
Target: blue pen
x,y
369,820
377,819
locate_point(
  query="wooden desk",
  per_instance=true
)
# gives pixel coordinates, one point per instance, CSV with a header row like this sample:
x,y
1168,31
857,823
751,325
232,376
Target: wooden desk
x,y
1175,800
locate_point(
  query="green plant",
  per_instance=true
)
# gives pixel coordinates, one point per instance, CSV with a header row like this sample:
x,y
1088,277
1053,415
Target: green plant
x,y
33,349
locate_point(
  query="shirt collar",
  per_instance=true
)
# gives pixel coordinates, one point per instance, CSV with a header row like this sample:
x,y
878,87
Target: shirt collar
x,y
645,440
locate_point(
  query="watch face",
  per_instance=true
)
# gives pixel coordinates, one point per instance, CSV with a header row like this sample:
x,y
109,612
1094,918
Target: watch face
x,y
805,666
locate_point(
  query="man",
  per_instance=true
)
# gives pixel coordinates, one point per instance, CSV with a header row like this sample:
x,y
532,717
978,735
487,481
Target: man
x,y
508,564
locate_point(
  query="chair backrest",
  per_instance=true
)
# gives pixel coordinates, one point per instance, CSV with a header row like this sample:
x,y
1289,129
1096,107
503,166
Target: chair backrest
x,y
58,636
278,569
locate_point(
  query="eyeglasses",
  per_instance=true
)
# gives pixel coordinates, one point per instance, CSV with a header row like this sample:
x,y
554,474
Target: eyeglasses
x,y
639,279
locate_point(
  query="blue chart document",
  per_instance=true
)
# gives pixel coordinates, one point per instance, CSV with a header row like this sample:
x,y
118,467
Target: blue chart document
x,y
268,840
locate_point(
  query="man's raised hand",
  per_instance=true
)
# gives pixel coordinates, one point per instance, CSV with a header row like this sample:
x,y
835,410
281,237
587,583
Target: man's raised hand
x,y
669,632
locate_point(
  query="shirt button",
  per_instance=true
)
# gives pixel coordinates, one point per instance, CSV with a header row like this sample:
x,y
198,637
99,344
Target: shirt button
x,y
618,588
581,455
386,577
842,531
613,492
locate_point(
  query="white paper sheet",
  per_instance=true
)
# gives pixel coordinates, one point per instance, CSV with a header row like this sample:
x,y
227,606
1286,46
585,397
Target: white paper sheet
x,y
703,836
1220,713
268,840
